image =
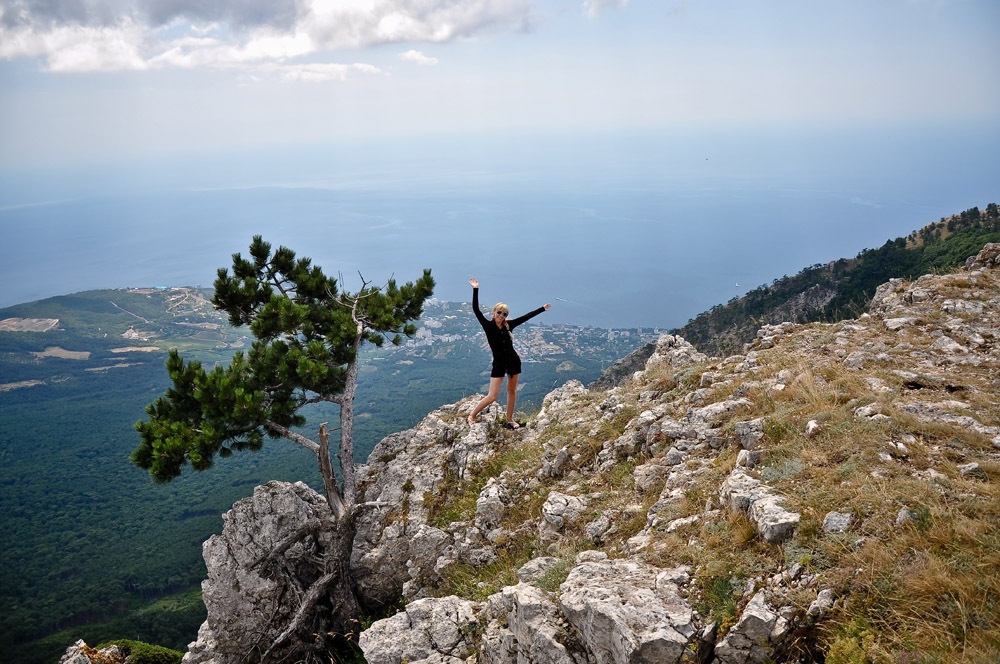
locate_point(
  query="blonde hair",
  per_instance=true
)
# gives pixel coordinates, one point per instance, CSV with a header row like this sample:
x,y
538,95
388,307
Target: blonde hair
x,y
502,306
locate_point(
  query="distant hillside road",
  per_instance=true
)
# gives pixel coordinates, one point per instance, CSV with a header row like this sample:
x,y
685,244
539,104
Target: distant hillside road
x,y
28,324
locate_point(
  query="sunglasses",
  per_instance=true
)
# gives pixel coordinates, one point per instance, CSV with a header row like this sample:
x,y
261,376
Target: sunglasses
x,y
500,313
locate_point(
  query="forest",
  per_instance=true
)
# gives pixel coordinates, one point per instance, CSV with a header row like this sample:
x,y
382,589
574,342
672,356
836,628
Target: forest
x,y
842,289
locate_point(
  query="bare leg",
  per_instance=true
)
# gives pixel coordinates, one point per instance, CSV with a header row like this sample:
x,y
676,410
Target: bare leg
x,y
487,400
511,395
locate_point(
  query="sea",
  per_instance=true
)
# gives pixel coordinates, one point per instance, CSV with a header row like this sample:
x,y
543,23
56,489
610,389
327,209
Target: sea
x,y
616,230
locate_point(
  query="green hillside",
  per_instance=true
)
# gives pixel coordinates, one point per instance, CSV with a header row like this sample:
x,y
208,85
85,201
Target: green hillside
x,y
843,288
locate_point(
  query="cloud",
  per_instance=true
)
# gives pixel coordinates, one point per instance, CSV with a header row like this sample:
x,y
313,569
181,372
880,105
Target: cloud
x,y
262,46
108,35
418,57
320,72
593,8
238,14
79,47
359,23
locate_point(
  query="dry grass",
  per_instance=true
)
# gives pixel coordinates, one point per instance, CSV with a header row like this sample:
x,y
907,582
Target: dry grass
x,y
920,591
455,500
927,590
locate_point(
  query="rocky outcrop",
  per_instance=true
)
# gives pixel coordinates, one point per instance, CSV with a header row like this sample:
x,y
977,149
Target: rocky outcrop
x,y
987,259
270,542
627,611
427,631
525,624
81,653
686,450
398,551
622,370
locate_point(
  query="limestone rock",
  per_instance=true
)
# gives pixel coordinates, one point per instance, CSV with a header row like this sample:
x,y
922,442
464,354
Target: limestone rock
x,y
749,434
836,522
527,627
822,604
749,641
627,612
395,548
675,352
427,631
80,653
747,494
536,568
491,504
244,598
988,258
558,510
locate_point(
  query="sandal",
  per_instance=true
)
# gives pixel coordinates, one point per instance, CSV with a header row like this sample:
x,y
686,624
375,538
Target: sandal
x,y
512,425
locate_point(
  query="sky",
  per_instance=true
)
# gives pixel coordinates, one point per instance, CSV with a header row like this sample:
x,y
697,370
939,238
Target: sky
x,y
103,82
724,141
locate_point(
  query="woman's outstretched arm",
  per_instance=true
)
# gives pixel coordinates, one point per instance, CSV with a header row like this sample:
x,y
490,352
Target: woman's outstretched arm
x,y
475,301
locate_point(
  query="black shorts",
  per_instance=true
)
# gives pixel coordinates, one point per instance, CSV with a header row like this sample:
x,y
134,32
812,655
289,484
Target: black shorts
x,y
511,367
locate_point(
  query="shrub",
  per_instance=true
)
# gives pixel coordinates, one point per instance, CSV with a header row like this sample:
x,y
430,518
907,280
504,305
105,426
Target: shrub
x,y
138,652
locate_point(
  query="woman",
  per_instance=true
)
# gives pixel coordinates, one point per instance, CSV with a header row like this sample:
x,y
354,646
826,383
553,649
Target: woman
x,y
505,358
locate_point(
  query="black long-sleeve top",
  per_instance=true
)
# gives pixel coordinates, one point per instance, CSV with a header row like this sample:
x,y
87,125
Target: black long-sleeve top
x,y
500,340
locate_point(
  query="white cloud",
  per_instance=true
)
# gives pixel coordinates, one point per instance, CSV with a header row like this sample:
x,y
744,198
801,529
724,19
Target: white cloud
x,y
594,7
106,35
418,57
80,48
359,23
319,72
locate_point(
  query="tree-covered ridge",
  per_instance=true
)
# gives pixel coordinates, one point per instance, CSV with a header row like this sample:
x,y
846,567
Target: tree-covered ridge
x,y
842,289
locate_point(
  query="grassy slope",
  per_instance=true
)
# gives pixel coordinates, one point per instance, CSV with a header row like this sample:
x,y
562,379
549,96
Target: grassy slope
x,y
923,591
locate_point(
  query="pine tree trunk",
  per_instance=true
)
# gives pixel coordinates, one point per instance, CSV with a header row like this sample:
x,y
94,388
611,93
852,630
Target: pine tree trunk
x,y
347,425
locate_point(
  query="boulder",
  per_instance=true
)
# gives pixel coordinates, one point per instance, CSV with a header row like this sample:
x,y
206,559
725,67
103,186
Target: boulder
x,y
527,626
428,631
628,612
749,641
245,589
746,494
559,509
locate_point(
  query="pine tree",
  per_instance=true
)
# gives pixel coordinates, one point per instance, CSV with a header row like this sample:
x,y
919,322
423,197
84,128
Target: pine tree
x,y
307,335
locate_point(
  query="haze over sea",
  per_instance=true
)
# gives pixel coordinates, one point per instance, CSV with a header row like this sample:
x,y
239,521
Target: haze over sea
x,y
615,230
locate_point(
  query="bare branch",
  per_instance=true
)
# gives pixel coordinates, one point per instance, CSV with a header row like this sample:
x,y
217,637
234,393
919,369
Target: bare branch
x,y
330,398
292,436
372,504
272,277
